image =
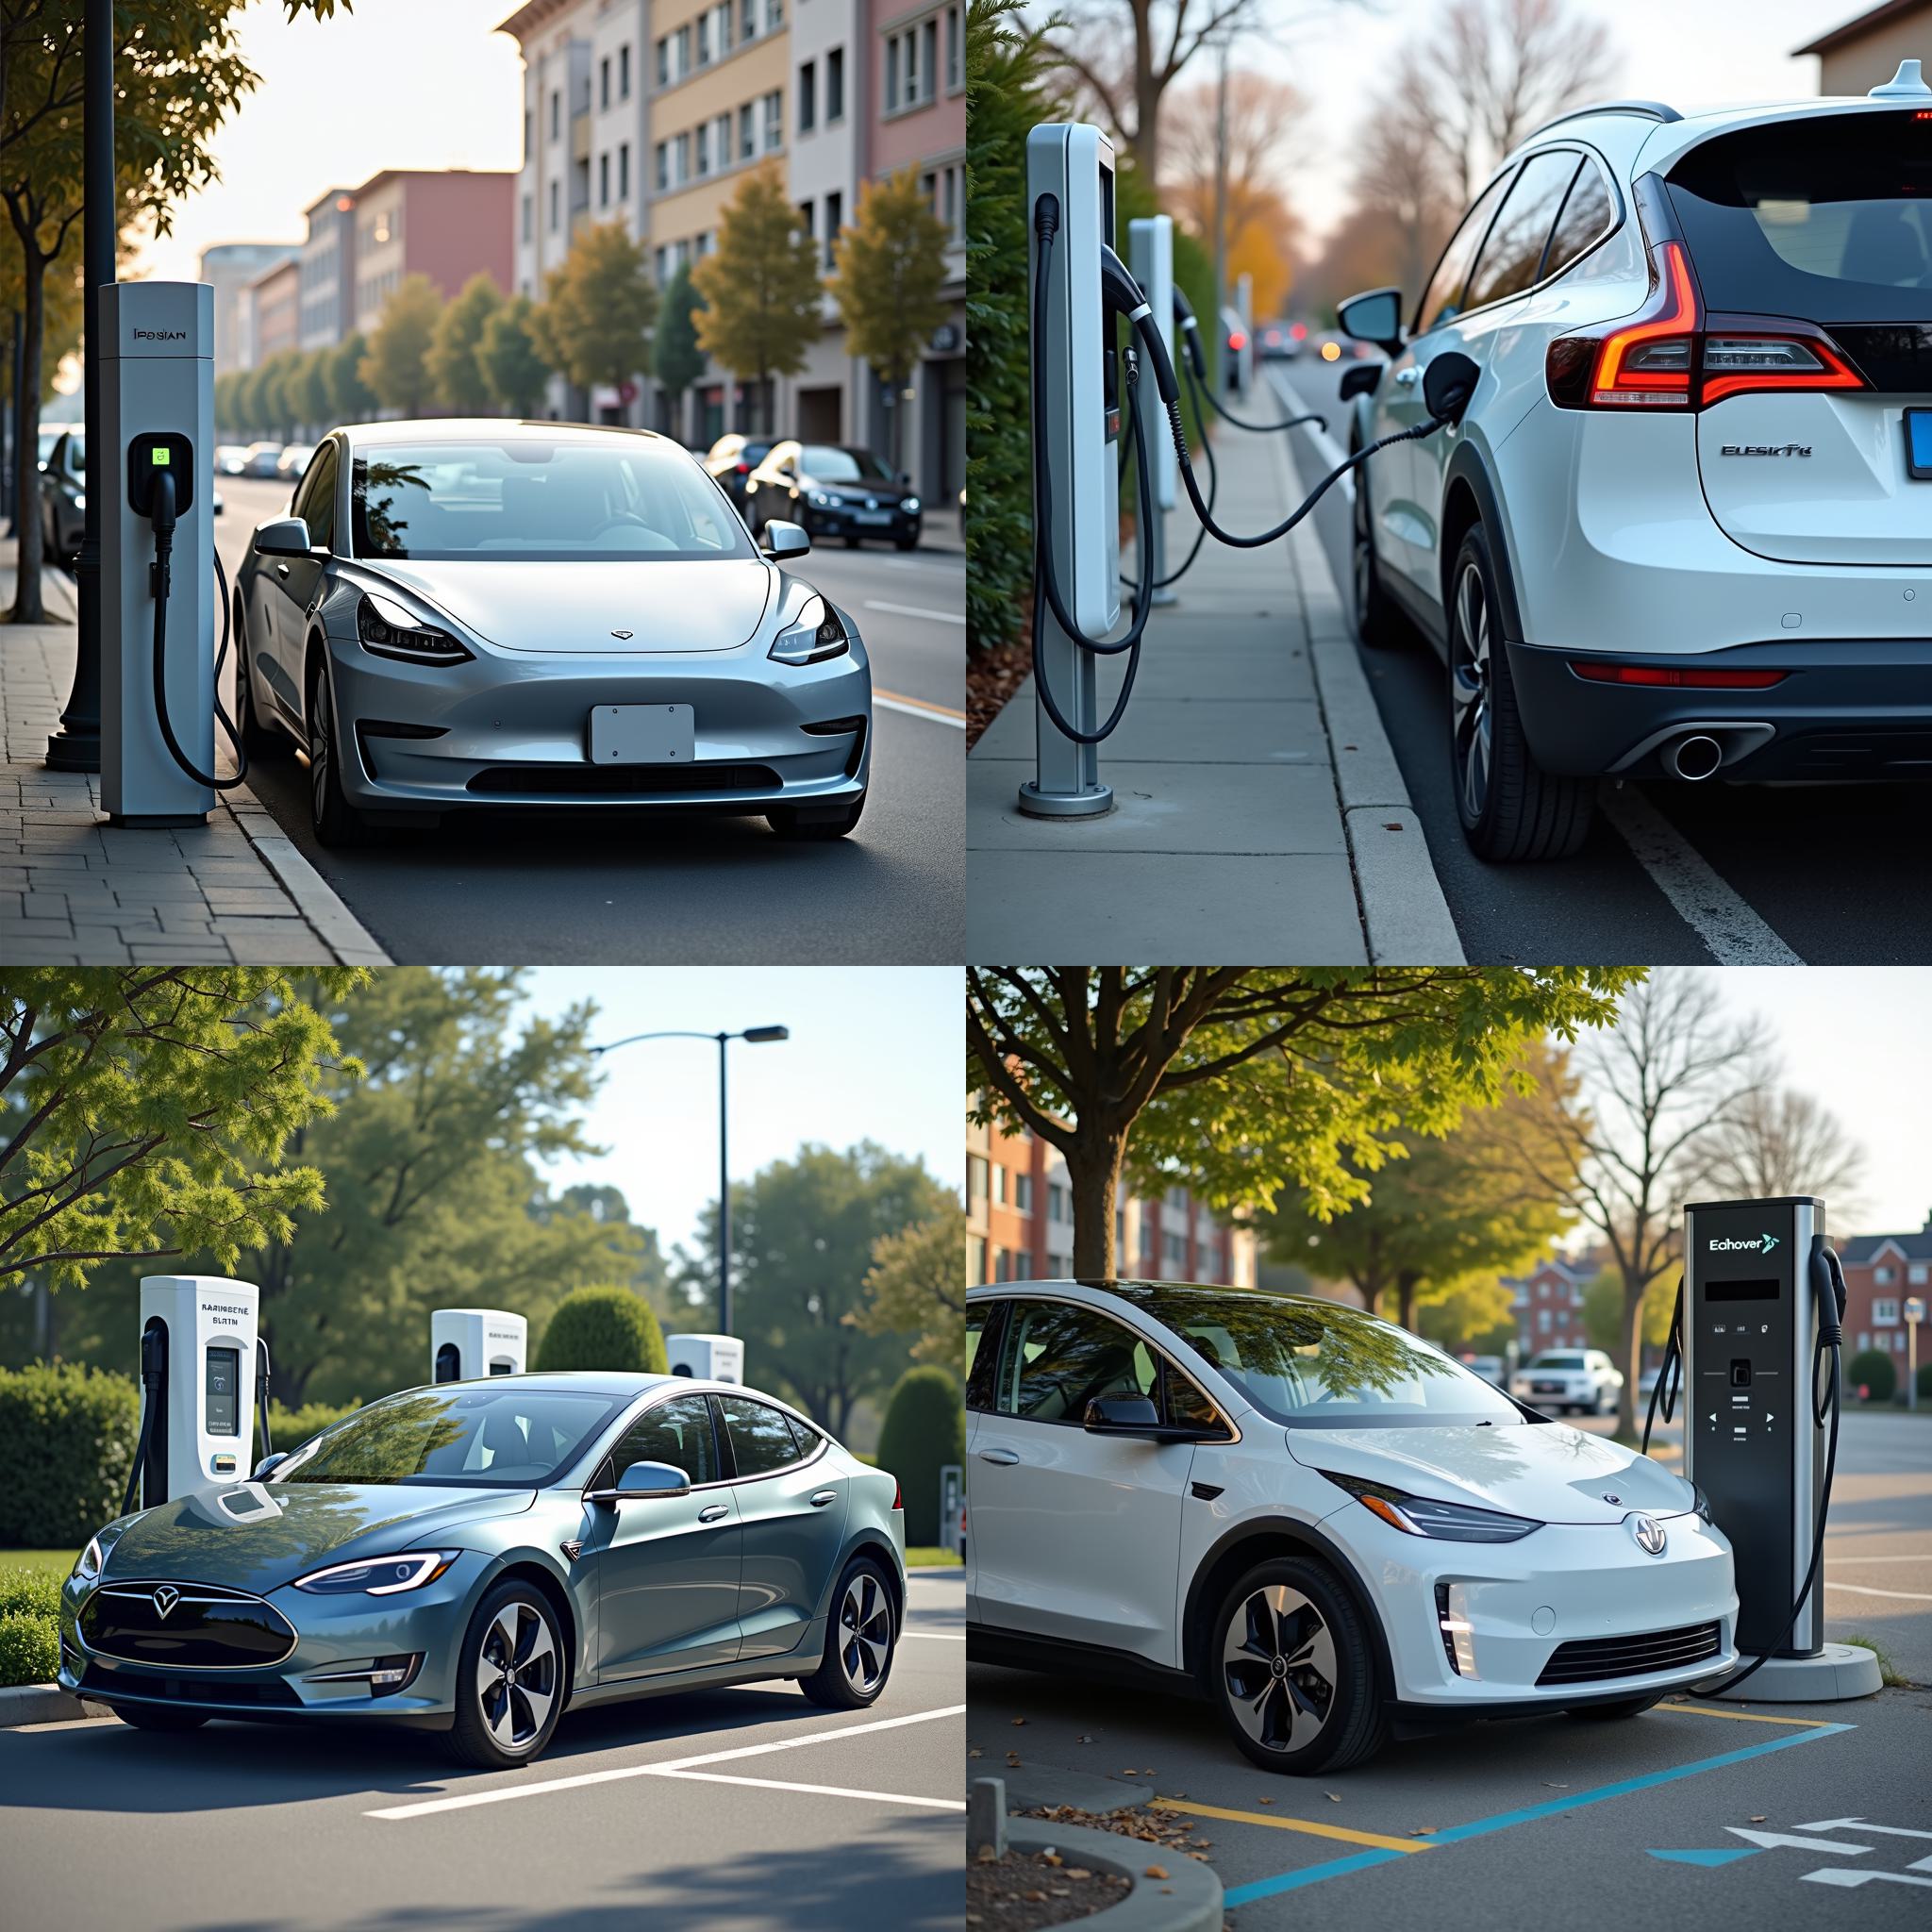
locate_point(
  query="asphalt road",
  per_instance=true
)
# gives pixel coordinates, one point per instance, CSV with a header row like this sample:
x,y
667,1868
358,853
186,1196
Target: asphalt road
x,y
595,888
1504,1827
1831,874
781,1816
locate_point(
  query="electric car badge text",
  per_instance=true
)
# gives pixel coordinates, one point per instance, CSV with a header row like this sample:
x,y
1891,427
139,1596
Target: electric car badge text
x,y
1649,1534
166,1597
1765,449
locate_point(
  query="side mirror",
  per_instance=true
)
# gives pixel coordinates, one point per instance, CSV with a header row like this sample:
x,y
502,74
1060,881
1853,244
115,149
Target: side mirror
x,y
1360,380
644,1479
1374,316
282,536
904,479
1449,384
1126,1414
782,540
269,1463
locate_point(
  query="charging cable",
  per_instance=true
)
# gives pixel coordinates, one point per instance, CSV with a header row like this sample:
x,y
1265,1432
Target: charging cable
x,y
159,575
152,1355
1197,363
261,1381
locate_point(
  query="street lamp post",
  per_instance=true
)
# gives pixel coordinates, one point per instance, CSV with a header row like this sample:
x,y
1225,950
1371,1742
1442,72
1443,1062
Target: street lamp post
x,y
758,1035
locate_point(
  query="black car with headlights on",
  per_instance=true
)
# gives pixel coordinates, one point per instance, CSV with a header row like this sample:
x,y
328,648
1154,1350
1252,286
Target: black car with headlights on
x,y
833,491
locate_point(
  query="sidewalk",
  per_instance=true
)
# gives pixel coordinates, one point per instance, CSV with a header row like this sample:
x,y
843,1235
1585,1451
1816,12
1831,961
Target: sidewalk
x,y
1260,813
76,890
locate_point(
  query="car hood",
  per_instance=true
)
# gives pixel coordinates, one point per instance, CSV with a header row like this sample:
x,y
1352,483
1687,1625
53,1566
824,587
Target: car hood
x,y
259,1536
1539,1470
579,608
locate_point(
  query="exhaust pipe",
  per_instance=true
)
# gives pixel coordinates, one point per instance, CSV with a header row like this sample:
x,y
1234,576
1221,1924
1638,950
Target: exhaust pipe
x,y
1693,758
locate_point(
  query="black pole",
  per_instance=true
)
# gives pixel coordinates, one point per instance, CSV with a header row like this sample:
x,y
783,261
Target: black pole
x,y
10,483
77,746
724,1205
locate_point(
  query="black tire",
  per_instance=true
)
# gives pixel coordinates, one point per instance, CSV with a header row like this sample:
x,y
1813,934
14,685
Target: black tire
x,y
861,1639
853,542
254,734
1627,1706
336,821
905,543
155,1717
792,822
1258,1689
1378,623
502,1722
1511,809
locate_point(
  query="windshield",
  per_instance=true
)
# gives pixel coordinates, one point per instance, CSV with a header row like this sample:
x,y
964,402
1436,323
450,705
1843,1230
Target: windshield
x,y
1557,1362
827,464
615,498
462,1436
1320,1365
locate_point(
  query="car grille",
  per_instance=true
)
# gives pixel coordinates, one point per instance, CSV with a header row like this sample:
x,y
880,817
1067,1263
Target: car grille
x,y
621,781
97,1680
204,1628
1600,1658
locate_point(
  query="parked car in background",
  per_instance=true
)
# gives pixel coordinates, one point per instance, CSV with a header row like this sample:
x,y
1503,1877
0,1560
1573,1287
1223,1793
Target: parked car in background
x,y
63,497
1584,1380
834,489
731,462
231,458
260,460
1489,1367
1281,342
293,460
50,434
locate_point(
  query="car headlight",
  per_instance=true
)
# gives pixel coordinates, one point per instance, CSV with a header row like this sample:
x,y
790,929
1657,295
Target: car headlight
x,y
380,1575
908,505
87,1566
1457,1523
821,500
79,499
813,635
390,631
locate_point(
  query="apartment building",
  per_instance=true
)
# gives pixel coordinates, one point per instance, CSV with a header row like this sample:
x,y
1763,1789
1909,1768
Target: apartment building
x,y
274,308
229,270
1882,1272
447,223
830,130
1548,1303
328,270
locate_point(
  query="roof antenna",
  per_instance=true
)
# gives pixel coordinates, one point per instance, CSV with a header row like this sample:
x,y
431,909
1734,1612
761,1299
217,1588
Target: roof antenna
x,y
1905,85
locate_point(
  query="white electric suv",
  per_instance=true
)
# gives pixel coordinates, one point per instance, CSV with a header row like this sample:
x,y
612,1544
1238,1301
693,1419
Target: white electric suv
x,y
1585,1379
1686,526
1324,1525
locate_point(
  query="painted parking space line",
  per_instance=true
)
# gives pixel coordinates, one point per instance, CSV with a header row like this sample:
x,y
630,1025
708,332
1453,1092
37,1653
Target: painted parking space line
x,y
920,708
779,1784
463,1800
1754,1717
916,610
1911,1596
1502,1820
1313,1827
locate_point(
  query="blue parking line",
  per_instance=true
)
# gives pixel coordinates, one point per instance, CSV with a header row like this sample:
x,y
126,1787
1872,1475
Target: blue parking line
x,y
1481,1828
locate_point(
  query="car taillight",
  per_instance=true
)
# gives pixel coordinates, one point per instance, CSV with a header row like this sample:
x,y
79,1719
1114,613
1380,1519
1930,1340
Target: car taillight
x,y
744,469
1735,362
1600,673
1237,341
898,1495
1299,331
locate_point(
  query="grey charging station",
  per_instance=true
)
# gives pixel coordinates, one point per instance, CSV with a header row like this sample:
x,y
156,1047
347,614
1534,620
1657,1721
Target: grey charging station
x,y
1075,364
1150,242
156,413
198,1384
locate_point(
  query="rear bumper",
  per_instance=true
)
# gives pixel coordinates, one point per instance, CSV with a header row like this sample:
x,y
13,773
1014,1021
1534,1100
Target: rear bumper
x,y
1844,709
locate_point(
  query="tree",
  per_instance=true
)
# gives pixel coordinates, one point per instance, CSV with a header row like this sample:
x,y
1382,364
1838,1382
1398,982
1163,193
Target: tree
x,y
925,1429
889,269
514,371
1782,1142
1248,1080
308,385
599,306
227,388
147,1111
1266,118
602,1328
1476,1314
249,405
917,1286
351,399
1603,1311
455,371
396,367
676,360
279,403
804,1232
760,286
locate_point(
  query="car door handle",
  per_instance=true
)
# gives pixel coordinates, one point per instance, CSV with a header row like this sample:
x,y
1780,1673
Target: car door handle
x,y
714,1512
1000,1456
281,569
824,1496
1408,378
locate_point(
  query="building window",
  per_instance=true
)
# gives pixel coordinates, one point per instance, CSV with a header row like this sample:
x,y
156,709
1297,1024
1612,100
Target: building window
x,y
999,1186
929,56
604,82
808,98
623,72
976,1176
775,15
527,218
1543,1321
1884,1275
680,65
660,166
1023,1192
1056,1201
555,112
604,181
954,76
704,29
703,133
892,74
835,217
553,207
1864,1341
835,86
528,131
623,171
1917,1273
664,61
774,120
804,208
975,1260
1884,1313
748,141
1174,1252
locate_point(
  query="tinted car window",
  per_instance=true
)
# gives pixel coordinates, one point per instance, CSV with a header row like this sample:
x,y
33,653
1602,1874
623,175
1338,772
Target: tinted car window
x,y
1586,216
677,1432
981,1321
830,465
1514,246
315,502
761,1439
1057,1359
1443,299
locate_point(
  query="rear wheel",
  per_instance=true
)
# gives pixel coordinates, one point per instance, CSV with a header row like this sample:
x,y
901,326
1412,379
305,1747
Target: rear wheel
x,y
510,1680
860,1641
148,1717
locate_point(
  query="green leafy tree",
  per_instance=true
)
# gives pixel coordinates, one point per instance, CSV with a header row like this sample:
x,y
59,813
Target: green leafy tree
x,y
251,408
1247,1080
602,1328
308,384
890,268
599,305
396,366
1475,1314
917,1286
148,1112
1603,1311
676,360
1872,1375
280,403
760,286
514,369
227,422
350,399
452,361
925,1429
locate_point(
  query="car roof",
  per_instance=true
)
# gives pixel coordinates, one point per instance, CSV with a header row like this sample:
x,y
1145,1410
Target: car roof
x,y
1134,1290
619,1383
498,428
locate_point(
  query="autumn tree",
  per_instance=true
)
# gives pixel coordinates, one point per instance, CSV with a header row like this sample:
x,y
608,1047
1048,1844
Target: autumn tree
x,y
1266,130
676,360
396,366
452,362
513,368
598,308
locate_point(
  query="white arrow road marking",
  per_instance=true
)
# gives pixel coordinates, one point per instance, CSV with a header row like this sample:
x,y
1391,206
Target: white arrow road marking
x,y
1770,1841
1838,1875
1840,1823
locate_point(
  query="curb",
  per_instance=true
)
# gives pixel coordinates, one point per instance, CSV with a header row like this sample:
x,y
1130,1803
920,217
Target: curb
x,y
1190,1899
333,924
44,1704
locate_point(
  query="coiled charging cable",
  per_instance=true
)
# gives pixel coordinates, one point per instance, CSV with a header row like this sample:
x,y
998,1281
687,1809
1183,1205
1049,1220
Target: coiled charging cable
x,y
160,572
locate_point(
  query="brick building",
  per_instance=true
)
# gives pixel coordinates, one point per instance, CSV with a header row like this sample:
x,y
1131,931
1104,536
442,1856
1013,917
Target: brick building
x,y
1548,1301
448,224
1881,1272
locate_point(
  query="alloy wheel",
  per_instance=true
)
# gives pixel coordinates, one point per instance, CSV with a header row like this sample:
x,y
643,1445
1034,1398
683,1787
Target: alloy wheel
x,y
1469,692
516,1675
322,732
1279,1668
865,1632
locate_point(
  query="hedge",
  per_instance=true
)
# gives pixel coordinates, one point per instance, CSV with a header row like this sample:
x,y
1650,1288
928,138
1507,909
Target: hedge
x,y
924,1430
1925,1380
603,1329
1873,1370
29,1648
67,1438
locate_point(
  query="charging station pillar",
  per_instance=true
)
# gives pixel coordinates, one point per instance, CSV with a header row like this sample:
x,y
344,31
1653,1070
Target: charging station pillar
x,y
1150,241
1076,381
201,1432
466,1345
710,1357
158,407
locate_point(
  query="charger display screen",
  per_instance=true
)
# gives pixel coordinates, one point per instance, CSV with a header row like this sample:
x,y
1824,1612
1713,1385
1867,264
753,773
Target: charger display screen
x,y
224,1390
1740,1290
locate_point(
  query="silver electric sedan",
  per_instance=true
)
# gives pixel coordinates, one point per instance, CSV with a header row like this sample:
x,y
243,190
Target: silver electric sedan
x,y
465,613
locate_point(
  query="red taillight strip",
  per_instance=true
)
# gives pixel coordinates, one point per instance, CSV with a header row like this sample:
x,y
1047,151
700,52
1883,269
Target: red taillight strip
x,y
1679,319
1836,372
1600,673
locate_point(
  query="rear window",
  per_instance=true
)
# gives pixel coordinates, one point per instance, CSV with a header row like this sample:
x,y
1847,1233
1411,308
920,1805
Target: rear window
x,y
1828,218
1557,1362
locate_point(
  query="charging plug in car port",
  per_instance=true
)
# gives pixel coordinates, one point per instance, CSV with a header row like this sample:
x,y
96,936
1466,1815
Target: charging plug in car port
x,y
1741,1372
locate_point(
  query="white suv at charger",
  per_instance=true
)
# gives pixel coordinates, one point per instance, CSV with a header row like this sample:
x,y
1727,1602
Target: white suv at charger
x,y
1686,526
1322,1524
1585,1379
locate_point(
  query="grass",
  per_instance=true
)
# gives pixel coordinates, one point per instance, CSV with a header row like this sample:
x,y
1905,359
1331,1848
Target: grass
x,y
54,1564
928,1556
1889,1672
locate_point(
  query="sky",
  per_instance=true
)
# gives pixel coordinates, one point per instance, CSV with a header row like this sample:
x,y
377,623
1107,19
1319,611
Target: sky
x,y
875,1053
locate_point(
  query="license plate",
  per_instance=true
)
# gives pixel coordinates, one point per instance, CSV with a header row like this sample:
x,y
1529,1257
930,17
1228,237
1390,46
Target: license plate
x,y
642,735
1919,442
871,516
1546,1388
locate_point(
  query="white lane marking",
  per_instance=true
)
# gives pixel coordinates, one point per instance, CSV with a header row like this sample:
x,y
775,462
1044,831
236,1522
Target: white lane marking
x,y
1926,1559
915,611
937,1636
933,715
463,1800
779,1784
1838,1875
1774,1841
1910,1596
1734,934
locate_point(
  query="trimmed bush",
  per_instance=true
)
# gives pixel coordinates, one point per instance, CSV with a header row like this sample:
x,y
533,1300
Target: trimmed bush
x,y
289,1428
1925,1381
29,1648
67,1438
925,1429
28,1593
1874,1371
603,1329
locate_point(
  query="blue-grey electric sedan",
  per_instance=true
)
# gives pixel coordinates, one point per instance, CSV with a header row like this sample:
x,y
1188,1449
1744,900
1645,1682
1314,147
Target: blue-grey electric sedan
x,y
476,612
475,1557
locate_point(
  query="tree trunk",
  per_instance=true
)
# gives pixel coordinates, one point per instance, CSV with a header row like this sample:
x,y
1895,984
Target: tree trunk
x,y
1632,1364
27,605
1407,1286
1147,90
1093,1175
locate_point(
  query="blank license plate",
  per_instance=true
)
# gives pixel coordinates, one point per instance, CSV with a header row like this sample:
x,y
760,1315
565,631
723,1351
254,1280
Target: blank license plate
x,y
871,516
642,735
1919,442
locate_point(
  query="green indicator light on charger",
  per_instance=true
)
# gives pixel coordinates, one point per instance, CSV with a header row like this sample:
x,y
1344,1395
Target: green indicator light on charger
x,y
159,457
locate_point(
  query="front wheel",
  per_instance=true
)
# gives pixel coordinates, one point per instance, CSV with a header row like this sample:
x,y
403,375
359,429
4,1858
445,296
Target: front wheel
x,y
1511,809
1292,1671
336,821
510,1680
860,1642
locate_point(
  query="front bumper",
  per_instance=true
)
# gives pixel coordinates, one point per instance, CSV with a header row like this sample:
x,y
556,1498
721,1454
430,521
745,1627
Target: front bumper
x,y
511,728
853,519
1562,1583
1851,709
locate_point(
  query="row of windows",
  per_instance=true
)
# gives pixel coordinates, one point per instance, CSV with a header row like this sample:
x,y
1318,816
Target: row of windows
x,y
677,255
1916,1275
623,76
683,1433
1891,1340
912,61
712,35
945,189
372,291
713,146
808,91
